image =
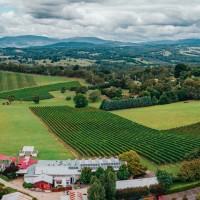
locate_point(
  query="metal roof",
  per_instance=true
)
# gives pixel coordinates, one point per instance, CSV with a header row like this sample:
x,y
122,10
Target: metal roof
x,y
28,148
16,196
43,177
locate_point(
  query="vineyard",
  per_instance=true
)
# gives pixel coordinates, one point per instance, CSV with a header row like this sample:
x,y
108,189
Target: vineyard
x,y
43,91
92,132
193,129
12,81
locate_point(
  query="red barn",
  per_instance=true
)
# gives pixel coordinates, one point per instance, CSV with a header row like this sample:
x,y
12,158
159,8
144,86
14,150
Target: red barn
x,y
43,182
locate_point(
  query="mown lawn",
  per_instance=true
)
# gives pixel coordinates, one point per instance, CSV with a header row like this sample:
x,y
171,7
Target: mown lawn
x,y
164,116
19,127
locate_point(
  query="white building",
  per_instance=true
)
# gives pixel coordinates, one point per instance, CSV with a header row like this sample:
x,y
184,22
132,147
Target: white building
x,y
141,182
28,151
16,196
66,172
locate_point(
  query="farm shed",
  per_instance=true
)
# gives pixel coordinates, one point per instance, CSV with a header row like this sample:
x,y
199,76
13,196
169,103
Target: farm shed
x,y
43,182
28,151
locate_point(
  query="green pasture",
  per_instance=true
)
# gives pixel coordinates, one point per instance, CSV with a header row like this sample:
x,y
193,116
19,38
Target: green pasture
x,y
164,116
19,127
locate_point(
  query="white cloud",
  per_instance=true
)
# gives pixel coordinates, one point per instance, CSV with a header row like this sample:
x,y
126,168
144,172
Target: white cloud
x,y
135,20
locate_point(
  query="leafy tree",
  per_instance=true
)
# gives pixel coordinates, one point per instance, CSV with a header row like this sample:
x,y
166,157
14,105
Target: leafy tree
x,y
192,88
130,156
134,89
86,174
136,169
178,69
133,163
154,100
96,191
94,96
164,99
109,169
81,90
11,98
144,94
99,171
153,92
164,178
194,154
190,170
110,185
68,98
182,95
123,173
36,98
63,89
80,101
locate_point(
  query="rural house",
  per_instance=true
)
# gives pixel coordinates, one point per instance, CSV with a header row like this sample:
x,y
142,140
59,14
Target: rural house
x,y
64,172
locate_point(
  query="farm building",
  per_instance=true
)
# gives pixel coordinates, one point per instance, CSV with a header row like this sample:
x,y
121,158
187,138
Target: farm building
x,y
64,172
16,196
28,151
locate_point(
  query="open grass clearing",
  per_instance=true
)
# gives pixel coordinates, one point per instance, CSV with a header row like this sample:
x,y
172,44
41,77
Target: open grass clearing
x,y
164,116
19,127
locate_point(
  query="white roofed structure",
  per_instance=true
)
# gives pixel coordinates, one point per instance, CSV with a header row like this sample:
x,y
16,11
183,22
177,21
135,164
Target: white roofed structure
x,y
28,151
65,172
16,196
43,177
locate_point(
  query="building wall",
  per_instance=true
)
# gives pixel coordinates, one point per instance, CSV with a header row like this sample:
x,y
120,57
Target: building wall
x,y
42,185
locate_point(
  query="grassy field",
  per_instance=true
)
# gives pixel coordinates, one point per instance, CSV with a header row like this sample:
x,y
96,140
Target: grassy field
x,y
164,116
19,127
67,62
12,81
26,94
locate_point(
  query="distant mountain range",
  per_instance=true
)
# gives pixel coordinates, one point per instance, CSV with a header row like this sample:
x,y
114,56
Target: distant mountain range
x,y
32,41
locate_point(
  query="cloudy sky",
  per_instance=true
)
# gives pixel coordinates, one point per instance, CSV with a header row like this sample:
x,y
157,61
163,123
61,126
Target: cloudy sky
x,y
124,20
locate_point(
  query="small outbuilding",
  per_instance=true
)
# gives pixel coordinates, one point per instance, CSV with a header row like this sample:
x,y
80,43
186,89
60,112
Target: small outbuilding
x,y
28,151
43,182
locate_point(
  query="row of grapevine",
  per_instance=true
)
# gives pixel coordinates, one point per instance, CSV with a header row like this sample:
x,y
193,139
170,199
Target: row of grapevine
x,y
189,129
12,81
26,94
92,132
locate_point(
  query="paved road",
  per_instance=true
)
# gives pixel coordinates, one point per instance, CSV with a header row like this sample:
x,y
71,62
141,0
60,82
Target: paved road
x,y
191,194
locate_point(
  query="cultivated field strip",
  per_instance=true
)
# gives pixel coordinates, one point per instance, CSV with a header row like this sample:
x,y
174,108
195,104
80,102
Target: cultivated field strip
x,y
26,94
92,132
192,129
11,81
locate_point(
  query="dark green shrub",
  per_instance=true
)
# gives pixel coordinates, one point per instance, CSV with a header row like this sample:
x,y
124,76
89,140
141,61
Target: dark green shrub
x,y
28,185
68,98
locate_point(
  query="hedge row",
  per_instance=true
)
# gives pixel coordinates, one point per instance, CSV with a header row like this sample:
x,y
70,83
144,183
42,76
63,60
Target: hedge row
x,y
139,192
126,103
180,188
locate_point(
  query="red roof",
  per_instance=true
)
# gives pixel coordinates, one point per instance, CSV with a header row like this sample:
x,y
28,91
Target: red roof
x,y
22,163
4,157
